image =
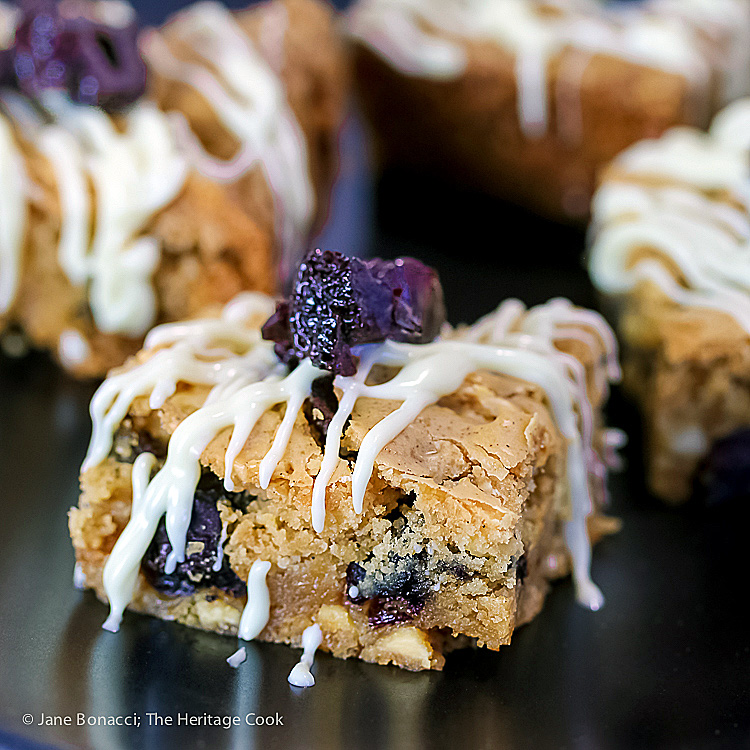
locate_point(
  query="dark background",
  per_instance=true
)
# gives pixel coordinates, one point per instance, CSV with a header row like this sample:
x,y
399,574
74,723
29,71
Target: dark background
x,y
664,665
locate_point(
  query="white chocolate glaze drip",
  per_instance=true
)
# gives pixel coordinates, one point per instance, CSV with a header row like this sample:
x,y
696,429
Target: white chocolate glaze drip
x,y
237,658
72,349
245,383
13,214
214,352
143,522
258,608
674,36
110,185
301,676
21,110
134,175
249,99
686,199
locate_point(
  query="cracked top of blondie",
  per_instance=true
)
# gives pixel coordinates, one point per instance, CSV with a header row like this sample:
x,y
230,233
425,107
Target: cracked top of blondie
x,y
469,458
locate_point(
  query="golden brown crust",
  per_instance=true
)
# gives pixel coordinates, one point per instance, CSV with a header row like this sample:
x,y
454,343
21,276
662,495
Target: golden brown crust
x,y
469,128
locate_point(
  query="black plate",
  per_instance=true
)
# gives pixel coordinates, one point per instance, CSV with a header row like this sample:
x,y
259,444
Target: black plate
x,y
664,664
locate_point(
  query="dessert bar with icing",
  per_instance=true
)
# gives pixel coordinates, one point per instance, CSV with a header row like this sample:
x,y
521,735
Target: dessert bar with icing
x,y
449,482
664,35
114,180
565,84
113,222
670,243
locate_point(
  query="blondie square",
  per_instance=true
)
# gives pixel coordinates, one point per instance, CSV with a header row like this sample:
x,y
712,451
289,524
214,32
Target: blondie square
x,y
423,502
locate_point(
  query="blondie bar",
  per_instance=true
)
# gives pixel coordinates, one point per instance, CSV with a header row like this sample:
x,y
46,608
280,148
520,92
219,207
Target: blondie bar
x,y
527,99
420,501
670,234
114,218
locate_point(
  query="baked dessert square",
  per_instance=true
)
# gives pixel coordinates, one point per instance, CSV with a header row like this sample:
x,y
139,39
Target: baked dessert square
x,y
370,477
669,253
527,99
115,218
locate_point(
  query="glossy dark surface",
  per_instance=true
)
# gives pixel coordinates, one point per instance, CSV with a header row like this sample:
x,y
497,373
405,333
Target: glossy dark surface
x,y
665,664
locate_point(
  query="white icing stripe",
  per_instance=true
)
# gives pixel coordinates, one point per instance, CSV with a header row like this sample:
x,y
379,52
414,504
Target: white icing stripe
x,y
20,109
250,101
116,13
731,127
237,658
389,30
8,22
66,157
142,524
142,468
258,608
700,234
689,156
247,385
680,38
79,577
13,214
73,349
133,175
352,389
216,567
301,676
187,358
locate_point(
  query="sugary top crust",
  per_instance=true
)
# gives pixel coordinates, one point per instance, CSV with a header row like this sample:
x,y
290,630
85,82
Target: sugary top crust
x,y
479,447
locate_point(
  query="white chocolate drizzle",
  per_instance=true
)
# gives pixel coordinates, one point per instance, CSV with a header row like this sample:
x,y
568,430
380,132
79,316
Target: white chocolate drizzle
x,y
130,174
237,658
116,13
73,349
679,37
8,23
249,99
685,198
79,577
258,608
216,567
245,383
143,522
134,174
183,352
301,676
13,214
